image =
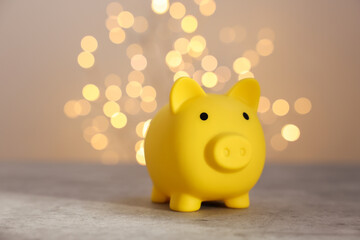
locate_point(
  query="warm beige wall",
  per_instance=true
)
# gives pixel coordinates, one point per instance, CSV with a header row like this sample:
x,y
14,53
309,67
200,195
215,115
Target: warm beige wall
x,y
316,55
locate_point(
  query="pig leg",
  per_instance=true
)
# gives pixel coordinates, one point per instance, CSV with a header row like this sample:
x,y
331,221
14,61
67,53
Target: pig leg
x,y
184,202
238,202
158,197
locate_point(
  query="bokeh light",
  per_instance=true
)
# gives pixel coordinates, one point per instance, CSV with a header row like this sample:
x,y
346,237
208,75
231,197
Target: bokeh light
x,y
90,92
125,19
100,123
82,107
86,59
136,76
173,58
133,89
140,156
189,24
133,49
196,54
118,120
138,62
110,108
148,94
265,47
88,133
207,7
111,22
117,35
139,144
112,79
197,44
302,105
227,35
99,141
148,107
264,104
77,108
139,129
209,79
89,43
223,73
197,76
290,132
180,74
278,143
132,106
69,109
209,63
252,56
280,107
245,75
177,10
160,6
113,93
241,65
219,86
178,68
268,118
140,24
182,45
146,127
113,9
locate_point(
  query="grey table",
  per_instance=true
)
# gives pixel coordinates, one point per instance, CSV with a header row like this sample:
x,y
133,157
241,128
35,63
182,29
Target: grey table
x,y
89,201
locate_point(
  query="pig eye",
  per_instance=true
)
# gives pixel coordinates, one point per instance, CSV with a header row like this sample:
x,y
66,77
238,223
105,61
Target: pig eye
x,y
204,116
245,115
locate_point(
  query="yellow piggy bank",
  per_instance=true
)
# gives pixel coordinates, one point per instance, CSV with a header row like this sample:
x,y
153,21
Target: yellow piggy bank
x,y
206,147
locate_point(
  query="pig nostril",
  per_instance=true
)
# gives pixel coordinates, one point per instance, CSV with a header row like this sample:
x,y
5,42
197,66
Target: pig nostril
x,y
226,152
242,152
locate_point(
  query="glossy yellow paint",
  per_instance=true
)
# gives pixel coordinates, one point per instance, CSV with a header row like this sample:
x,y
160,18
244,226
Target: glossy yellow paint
x,y
206,147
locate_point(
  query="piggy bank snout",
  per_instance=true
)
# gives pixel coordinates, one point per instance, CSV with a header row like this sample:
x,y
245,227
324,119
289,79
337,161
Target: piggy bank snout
x,y
228,152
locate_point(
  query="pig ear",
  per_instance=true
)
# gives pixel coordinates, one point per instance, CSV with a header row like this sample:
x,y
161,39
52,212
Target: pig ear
x,y
184,89
248,91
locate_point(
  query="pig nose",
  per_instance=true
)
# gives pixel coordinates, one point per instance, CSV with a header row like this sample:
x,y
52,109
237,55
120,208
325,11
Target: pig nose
x,y
228,152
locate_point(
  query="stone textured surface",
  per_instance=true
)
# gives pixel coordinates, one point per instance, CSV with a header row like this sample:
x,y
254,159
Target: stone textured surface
x,y
78,201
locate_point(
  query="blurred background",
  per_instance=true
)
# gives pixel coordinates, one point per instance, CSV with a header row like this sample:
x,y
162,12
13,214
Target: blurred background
x,y
81,80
